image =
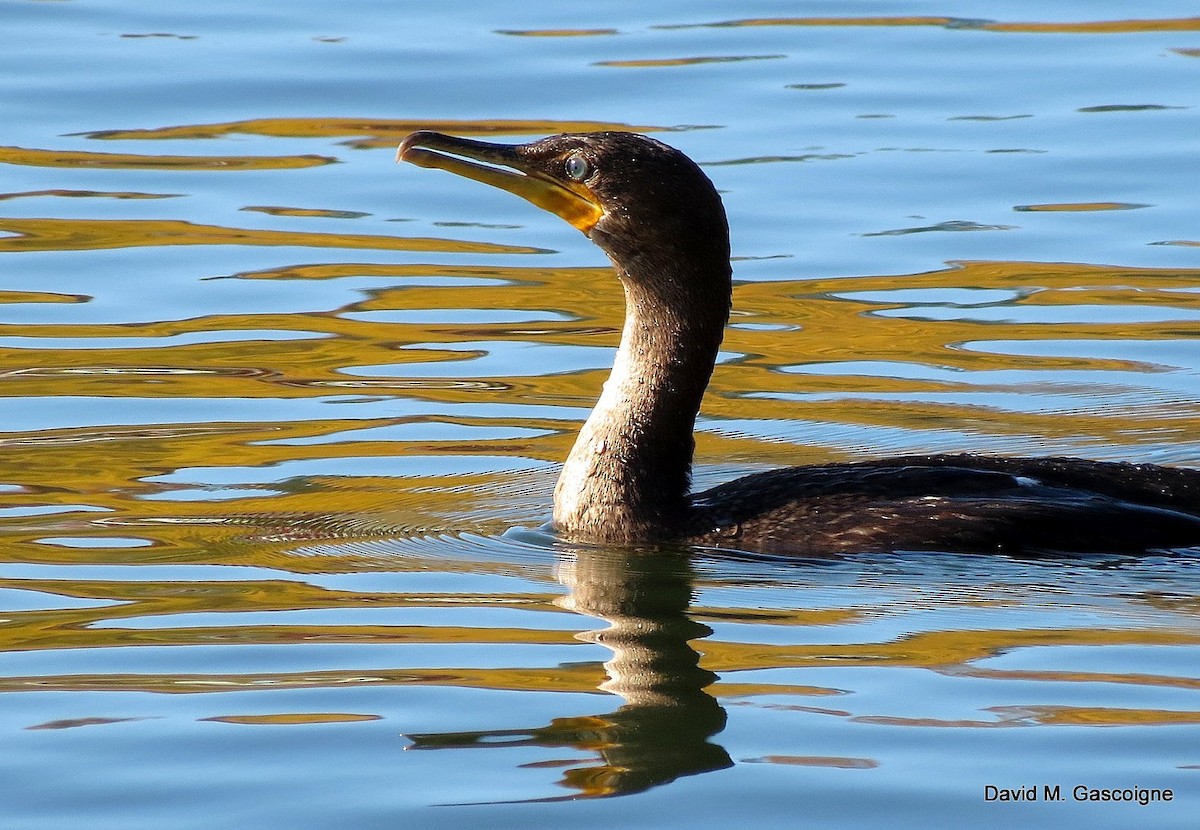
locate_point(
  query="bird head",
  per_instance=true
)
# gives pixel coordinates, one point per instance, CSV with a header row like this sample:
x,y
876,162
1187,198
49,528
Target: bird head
x,y
647,205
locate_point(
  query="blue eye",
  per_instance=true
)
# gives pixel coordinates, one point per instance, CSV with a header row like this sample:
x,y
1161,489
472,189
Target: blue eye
x,y
577,167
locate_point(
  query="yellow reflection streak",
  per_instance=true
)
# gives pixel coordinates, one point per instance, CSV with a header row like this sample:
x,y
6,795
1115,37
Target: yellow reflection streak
x,y
799,322
1009,716
88,194
96,234
293,718
1183,24
556,32
9,296
693,61
575,679
318,213
367,133
1128,678
1078,207
131,161
940,651
930,649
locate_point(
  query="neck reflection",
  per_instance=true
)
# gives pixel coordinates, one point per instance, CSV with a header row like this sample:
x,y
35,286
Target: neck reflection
x,y
662,730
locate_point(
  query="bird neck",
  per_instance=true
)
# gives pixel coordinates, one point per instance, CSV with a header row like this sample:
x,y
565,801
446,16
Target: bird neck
x,y
628,475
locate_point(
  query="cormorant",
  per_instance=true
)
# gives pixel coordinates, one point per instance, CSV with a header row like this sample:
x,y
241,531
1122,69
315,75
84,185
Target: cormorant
x,y
660,220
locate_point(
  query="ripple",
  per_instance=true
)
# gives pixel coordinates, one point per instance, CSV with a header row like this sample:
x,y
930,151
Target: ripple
x,y
365,133
152,342
166,35
92,542
53,234
1183,24
480,359
556,32
293,718
815,87
131,161
1079,207
90,194
1049,314
953,226
1128,108
692,61
26,510
320,213
774,159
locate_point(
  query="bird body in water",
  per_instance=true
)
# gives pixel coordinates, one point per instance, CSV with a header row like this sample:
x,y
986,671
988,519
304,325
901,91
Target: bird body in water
x,y
627,479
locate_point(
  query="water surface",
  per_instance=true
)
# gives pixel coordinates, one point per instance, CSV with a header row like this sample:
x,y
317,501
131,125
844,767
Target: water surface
x,y
280,419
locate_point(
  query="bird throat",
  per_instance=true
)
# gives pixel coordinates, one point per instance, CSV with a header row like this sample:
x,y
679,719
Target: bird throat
x,y
628,475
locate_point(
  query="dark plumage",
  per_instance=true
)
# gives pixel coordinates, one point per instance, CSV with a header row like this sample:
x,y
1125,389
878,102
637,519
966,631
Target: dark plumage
x,y
661,222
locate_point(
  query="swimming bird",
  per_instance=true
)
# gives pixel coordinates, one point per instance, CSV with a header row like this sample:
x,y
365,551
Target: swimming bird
x,y
661,222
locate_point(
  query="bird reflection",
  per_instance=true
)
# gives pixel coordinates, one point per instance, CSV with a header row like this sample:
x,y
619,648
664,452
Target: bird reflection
x,y
662,731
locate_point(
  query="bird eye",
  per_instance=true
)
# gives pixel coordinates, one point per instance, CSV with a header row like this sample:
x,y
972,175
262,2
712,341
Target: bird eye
x,y
577,167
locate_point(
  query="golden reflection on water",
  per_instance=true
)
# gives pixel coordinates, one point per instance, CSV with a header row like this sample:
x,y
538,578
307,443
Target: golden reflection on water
x,y
131,161
88,194
367,133
53,234
293,719
323,213
674,679
804,351
556,32
1182,24
1079,207
692,61
412,443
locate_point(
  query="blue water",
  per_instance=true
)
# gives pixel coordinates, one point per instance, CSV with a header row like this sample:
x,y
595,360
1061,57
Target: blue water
x,y
279,419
